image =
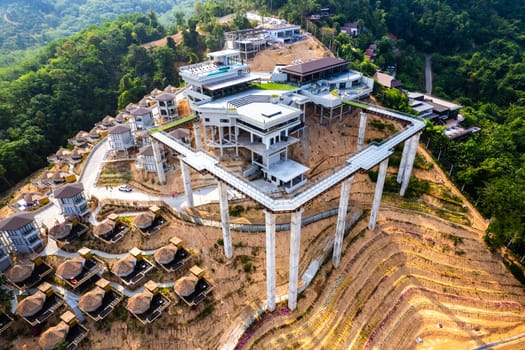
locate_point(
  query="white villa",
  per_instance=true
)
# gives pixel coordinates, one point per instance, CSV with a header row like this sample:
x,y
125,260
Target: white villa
x,y
19,233
146,158
142,118
120,138
284,33
167,105
72,200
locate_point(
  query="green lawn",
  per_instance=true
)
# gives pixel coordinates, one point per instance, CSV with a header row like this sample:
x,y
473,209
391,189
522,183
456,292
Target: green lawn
x,y
274,86
173,124
356,104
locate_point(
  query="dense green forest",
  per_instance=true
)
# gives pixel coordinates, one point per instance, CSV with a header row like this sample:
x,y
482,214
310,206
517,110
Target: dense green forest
x,y
73,83
478,60
32,24
478,53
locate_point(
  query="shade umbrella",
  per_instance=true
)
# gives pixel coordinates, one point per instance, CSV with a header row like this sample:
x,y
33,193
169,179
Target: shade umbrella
x,y
186,285
140,303
91,300
53,336
61,230
104,227
31,305
71,268
20,272
144,220
124,266
166,254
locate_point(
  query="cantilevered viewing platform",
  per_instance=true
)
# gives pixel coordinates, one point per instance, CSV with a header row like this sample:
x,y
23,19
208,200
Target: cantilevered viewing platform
x,y
363,160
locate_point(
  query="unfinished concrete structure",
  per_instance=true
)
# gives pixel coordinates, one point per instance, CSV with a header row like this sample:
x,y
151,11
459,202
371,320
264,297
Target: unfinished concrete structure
x,y
262,115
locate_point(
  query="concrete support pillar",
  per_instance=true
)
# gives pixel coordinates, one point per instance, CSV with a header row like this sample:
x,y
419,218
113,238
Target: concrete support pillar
x,y
221,137
205,134
159,165
225,219
236,131
322,111
362,129
341,113
186,180
409,163
341,220
197,135
270,259
295,247
378,193
403,162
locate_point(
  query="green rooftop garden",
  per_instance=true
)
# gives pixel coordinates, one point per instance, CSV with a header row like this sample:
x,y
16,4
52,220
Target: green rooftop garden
x,y
173,124
274,86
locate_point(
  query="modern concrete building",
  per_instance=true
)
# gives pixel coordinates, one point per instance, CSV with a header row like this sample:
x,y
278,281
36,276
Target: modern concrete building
x,y
441,109
141,118
327,82
167,105
72,200
248,41
351,29
120,138
19,233
222,74
146,159
284,33
261,122
265,130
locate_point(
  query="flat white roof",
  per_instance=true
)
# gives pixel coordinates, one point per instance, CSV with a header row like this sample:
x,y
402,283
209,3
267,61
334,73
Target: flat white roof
x,y
223,101
279,27
419,106
427,98
230,52
226,83
266,114
287,170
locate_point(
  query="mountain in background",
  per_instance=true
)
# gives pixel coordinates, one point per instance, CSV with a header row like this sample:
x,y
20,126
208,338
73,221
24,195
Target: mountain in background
x,y
28,24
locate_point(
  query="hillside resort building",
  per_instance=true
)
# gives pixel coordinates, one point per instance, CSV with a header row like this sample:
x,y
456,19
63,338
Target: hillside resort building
x,y
72,200
19,233
259,125
264,122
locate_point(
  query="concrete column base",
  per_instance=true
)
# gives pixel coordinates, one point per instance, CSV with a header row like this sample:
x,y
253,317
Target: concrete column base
x,y
341,220
225,219
270,259
295,247
378,194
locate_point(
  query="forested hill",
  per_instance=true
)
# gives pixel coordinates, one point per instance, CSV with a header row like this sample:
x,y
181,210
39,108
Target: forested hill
x,y
478,60
75,82
25,24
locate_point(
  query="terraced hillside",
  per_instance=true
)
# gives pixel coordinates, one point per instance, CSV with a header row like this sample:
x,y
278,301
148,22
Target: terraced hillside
x,y
417,282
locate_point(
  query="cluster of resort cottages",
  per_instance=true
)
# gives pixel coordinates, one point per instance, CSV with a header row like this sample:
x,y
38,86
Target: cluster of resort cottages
x,y
233,115
82,275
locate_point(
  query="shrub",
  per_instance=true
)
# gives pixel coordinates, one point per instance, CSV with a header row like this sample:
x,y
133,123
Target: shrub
x,y
236,210
516,271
